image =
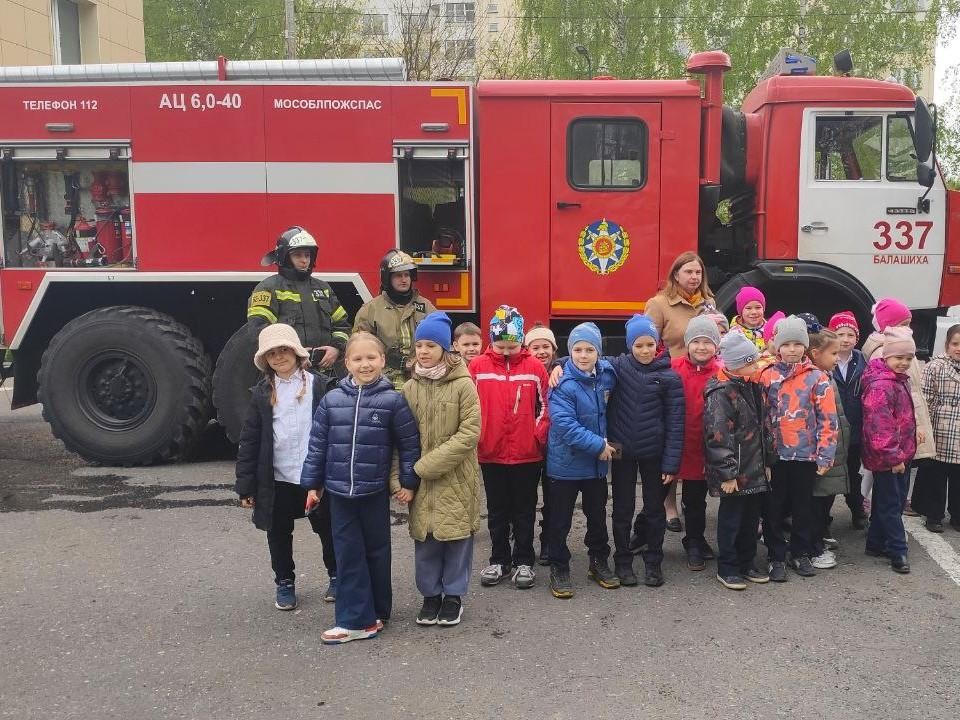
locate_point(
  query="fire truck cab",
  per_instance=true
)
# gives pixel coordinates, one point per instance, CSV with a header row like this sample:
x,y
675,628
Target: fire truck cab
x,y
137,200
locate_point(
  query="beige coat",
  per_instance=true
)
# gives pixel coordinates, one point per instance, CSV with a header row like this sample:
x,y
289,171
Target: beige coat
x,y
873,349
447,503
670,318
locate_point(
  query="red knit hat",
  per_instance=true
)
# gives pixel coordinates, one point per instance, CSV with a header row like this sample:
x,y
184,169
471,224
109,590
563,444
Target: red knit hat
x,y
844,319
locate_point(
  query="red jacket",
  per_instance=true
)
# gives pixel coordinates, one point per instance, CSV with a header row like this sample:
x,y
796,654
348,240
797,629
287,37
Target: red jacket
x,y
694,379
514,419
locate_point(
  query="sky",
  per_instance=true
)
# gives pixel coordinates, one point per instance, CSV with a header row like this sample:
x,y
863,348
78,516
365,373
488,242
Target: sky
x,y
946,57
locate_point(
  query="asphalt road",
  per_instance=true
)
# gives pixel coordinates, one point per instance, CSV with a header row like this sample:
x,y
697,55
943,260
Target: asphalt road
x,y
147,593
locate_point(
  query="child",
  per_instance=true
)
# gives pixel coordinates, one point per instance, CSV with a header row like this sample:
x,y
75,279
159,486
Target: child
x,y
356,429
542,344
823,352
468,341
941,389
445,512
739,452
846,376
273,444
645,420
695,369
723,325
577,456
803,413
769,330
751,306
889,443
514,421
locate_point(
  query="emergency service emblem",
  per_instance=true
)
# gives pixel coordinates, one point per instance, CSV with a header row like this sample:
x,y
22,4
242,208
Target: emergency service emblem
x,y
603,246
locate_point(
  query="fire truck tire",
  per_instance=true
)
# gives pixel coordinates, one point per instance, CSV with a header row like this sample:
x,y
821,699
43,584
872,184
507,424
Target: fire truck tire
x,y
126,385
233,377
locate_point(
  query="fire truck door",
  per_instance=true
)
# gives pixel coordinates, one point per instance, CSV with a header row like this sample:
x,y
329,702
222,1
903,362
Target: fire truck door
x,y
604,207
858,204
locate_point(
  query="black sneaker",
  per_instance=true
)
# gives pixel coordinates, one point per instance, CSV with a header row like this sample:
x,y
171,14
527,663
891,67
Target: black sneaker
x,y
695,559
934,526
675,525
637,544
802,566
755,576
560,584
430,610
624,571
330,594
600,572
286,595
450,611
900,565
732,582
652,576
778,571
544,557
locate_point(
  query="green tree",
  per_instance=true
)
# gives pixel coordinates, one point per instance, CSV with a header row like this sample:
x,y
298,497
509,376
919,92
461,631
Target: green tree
x,y
181,30
649,39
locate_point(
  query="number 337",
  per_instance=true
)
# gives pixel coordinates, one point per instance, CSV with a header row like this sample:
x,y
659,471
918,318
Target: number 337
x,y
905,231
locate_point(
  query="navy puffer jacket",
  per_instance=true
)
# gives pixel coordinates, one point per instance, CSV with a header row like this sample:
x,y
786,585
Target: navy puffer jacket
x,y
646,412
355,431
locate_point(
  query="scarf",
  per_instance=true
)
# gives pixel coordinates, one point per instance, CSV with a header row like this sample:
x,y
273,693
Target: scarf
x,y
434,373
696,299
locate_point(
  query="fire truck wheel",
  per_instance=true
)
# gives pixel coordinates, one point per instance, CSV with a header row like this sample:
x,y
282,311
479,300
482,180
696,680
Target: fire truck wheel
x,y
233,377
126,385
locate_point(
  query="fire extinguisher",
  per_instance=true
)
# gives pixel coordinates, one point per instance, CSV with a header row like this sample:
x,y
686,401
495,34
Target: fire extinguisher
x,y
126,233
108,234
86,236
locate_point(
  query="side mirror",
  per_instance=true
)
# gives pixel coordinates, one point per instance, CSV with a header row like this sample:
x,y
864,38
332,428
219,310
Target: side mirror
x,y
925,175
924,132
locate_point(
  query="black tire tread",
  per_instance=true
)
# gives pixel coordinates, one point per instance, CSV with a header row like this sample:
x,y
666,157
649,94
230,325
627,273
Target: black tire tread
x,y
195,360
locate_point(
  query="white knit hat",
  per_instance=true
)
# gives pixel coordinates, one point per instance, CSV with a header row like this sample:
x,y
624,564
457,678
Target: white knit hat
x,y
276,336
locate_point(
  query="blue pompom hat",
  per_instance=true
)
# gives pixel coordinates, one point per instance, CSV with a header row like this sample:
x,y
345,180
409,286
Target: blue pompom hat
x,y
435,327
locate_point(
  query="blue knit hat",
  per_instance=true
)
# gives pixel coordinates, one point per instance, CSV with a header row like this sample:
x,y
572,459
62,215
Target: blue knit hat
x,y
585,332
435,327
506,325
641,325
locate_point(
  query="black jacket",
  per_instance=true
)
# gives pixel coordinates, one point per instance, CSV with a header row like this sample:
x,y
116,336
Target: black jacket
x,y
850,390
255,454
738,438
646,410
309,306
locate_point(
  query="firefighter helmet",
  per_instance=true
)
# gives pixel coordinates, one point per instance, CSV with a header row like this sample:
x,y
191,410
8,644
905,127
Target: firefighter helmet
x,y
295,238
396,261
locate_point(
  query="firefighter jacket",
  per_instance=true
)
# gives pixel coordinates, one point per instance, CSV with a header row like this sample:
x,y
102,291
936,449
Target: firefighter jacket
x,y
309,306
395,325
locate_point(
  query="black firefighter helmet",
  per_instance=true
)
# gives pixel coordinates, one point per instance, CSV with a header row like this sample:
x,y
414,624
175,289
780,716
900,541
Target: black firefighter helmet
x,y
295,238
396,261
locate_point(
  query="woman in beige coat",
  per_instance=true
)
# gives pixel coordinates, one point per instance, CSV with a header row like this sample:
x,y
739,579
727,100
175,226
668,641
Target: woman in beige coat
x,y
445,512
685,295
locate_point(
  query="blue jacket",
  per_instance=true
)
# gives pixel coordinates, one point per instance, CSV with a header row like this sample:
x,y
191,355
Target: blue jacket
x,y
647,410
850,391
355,431
579,429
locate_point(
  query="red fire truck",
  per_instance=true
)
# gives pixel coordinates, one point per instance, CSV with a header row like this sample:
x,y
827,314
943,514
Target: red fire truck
x,y
137,200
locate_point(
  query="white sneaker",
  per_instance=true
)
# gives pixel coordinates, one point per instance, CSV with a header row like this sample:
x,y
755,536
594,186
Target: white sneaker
x,y
523,577
831,543
338,635
491,575
824,561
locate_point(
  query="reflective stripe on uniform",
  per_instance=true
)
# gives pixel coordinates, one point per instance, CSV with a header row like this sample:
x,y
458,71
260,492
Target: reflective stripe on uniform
x,y
260,311
287,295
338,314
341,335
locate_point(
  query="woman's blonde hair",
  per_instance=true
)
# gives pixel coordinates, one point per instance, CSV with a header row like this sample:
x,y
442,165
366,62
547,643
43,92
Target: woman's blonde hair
x,y
672,289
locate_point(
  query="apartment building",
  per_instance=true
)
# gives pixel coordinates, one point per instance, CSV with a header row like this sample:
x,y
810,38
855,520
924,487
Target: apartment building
x,y
69,32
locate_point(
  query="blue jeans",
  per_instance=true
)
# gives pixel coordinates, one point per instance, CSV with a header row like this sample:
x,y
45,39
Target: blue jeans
x,y
361,540
886,521
737,521
443,566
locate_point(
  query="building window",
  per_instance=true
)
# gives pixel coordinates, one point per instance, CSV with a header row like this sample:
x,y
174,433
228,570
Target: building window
x,y
493,27
492,9
460,12
457,50
375,24
848,148
66,19
606,154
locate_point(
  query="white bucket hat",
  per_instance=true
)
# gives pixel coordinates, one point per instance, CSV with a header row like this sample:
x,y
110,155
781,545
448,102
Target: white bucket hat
x,y
276,336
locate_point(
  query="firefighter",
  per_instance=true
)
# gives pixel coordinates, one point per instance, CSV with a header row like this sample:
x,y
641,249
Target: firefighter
x,y
306,303
394,314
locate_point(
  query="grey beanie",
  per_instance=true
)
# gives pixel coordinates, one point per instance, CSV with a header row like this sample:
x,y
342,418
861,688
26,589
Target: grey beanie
x,y
702,326
736,351
791,329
